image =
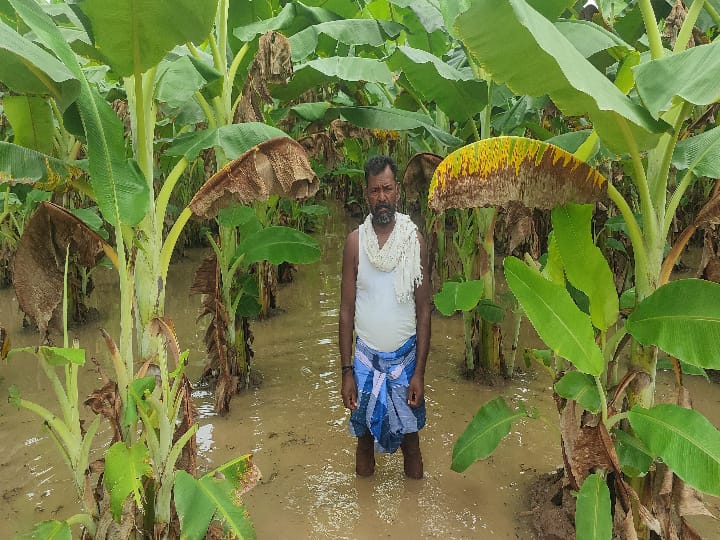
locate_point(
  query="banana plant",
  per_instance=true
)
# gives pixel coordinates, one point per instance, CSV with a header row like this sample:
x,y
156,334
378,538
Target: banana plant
x,y
124,190
564,70
600,454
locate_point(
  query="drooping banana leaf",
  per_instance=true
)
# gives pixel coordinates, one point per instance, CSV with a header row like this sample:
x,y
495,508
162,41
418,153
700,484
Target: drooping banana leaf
x,y
277,166
484,433
495,171
24,166
26,68
459,94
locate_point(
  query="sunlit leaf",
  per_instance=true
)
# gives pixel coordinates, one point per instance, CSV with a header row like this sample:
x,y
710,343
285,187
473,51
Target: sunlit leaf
x,y
120,189
685,440
558,321
557,69
124,469
683,319
593,520
483,434
495,171
585,265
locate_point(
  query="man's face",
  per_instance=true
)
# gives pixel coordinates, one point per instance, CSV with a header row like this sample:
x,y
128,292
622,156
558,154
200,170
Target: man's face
x,y
382,194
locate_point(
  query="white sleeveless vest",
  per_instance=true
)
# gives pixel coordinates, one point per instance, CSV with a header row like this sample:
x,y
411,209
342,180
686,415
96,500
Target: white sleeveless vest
x,y
380,320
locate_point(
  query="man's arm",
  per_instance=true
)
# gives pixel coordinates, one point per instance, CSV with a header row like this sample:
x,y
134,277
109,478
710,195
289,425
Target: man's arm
x,y
347,319
416,389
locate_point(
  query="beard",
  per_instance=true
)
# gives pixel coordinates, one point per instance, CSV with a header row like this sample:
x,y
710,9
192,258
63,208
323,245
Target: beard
x,y
383,218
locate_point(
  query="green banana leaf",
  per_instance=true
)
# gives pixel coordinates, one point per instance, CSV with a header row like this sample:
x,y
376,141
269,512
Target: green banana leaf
x,y
685,440
323,71
557,69
124,469
135,35
558,321
278,244
634,457
581,388
26,68
593,520
121,191
690,75
589,38
215,494
346,31
48,530
25,166
32,122
179,79
234,139
426,11
294,15
462,296
585,265
396,119
483,434
457,93
699,154
683,319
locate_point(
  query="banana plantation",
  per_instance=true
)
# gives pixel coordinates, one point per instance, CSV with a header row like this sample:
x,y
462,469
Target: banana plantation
x,y
176,181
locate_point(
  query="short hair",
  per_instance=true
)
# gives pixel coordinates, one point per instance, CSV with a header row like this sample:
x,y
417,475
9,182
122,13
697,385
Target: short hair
x,y
377,164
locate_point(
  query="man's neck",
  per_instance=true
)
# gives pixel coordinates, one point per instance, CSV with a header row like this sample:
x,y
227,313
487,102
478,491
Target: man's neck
x,y
383,231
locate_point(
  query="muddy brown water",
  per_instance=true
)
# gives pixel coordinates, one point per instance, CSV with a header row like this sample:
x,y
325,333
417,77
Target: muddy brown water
x,y
296,428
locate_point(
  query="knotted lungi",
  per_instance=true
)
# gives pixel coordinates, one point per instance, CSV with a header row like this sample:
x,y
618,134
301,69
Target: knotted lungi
x,y
382,382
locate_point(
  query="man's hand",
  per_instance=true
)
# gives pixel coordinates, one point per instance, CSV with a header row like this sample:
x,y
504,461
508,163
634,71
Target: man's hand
x,y
416,391
349,390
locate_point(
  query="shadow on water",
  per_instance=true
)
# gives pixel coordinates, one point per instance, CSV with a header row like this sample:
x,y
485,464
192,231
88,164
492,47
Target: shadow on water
x,y
295,425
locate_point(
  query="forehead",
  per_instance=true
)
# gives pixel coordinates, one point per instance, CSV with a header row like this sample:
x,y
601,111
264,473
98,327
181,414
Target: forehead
x,y
382,178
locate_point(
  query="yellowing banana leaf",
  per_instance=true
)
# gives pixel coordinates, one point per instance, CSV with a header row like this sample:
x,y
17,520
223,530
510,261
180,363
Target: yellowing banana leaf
x,y
495,171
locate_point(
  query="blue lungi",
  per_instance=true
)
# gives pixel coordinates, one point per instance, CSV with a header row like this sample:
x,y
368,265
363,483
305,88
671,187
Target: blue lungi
x,y
382,381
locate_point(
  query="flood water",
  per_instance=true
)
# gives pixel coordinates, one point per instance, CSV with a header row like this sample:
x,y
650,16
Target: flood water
x,y
296,427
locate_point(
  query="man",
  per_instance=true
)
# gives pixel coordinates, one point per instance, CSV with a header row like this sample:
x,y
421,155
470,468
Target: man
x,y
385,298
